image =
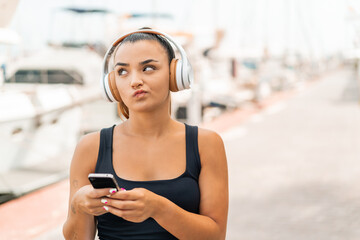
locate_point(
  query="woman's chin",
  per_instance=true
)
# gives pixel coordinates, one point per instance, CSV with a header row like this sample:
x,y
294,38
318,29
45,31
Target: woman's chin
x,y
144,109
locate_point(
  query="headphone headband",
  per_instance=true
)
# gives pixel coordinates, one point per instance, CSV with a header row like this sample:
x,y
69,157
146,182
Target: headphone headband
x,y
118,40
183,70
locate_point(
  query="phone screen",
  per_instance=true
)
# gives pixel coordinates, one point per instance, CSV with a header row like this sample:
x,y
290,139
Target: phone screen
x,y
103,182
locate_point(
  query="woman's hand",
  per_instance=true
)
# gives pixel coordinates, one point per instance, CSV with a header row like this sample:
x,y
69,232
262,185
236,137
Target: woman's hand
x,y
88,200
135,205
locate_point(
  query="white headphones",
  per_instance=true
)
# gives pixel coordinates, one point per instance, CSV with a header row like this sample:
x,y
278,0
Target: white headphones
x,y
181,73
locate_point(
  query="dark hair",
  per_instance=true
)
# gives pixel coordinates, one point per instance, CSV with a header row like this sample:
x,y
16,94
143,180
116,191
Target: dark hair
x,y
149,36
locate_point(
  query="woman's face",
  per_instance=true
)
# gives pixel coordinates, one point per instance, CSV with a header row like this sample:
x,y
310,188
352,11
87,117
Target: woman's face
x,y
142,75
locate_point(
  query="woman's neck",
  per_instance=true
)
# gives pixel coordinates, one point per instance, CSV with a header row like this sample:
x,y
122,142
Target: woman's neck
x,y
149,124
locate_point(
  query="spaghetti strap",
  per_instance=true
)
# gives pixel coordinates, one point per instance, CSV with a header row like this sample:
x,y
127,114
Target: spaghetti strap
x,y
193,164
106,136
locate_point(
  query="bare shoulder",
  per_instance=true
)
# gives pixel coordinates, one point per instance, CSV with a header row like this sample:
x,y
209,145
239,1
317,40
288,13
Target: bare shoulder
x,y
211,145
208,138
86,152
89,140
89,144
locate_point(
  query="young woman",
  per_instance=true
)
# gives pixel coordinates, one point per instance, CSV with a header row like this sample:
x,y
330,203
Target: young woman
x,y
175,175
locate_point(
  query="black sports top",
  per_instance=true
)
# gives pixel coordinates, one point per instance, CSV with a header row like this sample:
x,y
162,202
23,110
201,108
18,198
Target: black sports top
x,y
183,191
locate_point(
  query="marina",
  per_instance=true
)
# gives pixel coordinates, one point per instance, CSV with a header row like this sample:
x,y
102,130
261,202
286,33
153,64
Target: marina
x,y
286,104
295,192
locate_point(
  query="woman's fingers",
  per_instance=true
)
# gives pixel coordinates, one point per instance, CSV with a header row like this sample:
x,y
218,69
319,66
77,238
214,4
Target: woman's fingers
x,y
133,194
113,210
98,211
101,192
120,204
135,205
129,215
88,199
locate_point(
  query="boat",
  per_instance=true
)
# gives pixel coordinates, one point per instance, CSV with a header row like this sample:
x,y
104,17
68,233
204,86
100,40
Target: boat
x,y
45,100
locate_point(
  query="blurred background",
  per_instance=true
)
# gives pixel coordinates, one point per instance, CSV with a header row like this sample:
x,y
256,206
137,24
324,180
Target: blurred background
x,y
278,79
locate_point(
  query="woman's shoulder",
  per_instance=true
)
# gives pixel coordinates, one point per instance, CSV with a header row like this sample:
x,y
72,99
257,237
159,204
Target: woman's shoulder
x,y
209,136
87,149
89,144
209,140
89,141
211,148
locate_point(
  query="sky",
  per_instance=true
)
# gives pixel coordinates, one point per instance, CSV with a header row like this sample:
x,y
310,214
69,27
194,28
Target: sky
x,y
312,27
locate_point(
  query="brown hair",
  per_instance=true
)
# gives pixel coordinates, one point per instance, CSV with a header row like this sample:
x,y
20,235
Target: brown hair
x,y
122,110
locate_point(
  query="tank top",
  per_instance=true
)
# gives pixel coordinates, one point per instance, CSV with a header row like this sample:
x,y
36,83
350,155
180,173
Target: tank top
x,y
183,191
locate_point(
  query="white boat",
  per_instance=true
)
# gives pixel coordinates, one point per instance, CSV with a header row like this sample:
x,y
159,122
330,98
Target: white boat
x,y
42,105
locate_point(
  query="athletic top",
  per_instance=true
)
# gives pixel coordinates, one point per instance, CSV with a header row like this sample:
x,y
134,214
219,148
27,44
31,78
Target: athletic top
x,y
183,191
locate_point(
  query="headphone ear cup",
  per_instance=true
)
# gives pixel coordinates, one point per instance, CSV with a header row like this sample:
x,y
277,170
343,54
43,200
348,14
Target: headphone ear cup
x,y
173,81
106,93
187,74
113,88
179,76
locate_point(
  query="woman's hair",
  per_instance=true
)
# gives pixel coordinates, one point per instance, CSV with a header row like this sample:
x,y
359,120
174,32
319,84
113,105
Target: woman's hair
x,y
135,37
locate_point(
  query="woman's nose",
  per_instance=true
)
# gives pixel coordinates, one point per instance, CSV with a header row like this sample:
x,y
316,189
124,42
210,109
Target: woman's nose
x,y
136,80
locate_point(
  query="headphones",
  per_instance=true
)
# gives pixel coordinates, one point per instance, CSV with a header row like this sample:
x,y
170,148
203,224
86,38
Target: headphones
x,y
181,73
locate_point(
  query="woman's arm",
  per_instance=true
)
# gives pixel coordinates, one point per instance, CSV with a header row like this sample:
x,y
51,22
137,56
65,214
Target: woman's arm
x,y
139,204
80,223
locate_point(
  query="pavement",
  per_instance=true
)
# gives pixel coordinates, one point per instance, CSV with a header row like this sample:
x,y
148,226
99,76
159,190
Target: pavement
x,y
294,162
295,167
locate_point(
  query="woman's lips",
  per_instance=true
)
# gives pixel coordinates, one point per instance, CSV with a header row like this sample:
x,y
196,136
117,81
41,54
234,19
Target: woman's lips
x,y
140,93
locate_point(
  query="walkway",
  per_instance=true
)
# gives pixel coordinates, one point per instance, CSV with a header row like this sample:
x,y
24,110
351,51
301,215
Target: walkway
x,y
295,167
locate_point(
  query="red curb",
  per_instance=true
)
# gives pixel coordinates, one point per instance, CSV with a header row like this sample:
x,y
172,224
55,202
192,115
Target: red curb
x,y
35,213
230,119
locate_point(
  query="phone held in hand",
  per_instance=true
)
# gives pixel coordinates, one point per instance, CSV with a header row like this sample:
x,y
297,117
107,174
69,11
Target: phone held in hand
x,y
103,180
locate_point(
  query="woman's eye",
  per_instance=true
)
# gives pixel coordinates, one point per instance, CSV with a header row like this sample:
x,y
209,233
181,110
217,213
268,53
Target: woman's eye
x,y
122,72
149,68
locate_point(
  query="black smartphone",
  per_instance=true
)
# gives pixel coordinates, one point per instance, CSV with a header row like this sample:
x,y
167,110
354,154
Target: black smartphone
x,y
103,180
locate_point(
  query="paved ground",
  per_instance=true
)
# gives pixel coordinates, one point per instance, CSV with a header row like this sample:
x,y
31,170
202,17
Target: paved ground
x,y
294,168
